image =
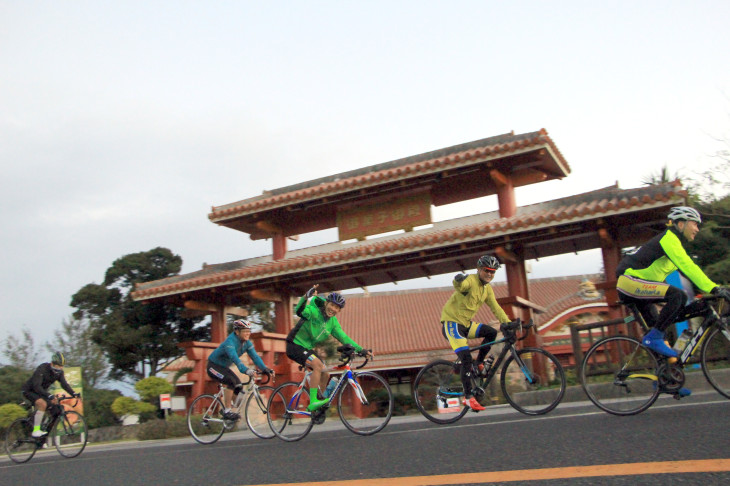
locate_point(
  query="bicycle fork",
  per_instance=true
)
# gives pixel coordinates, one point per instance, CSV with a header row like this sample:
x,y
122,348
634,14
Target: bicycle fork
x,y
523,366
358,389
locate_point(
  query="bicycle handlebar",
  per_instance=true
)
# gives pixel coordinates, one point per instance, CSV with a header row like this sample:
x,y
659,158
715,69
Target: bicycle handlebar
x,y
348,352
511,328
259,373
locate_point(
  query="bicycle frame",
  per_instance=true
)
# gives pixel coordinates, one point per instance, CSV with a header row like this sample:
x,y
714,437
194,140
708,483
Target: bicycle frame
x,y
509,347
710,319
347,378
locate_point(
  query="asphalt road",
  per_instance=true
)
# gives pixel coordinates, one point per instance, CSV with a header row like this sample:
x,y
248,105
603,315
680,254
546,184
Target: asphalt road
x,y
570,445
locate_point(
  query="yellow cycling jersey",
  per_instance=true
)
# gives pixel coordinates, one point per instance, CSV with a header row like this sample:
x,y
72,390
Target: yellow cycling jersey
x,y
469,296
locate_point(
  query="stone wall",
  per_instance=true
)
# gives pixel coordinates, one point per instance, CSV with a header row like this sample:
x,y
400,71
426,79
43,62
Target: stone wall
x,y
115,432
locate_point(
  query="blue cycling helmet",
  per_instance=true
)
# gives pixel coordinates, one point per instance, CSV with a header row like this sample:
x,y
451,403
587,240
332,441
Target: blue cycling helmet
x,y
336,299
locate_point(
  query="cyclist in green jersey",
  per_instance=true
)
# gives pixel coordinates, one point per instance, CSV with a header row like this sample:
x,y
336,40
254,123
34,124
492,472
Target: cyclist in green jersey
x,y
317,323
456,319
641,277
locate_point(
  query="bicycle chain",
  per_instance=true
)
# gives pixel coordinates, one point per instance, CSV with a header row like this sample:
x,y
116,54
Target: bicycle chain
x,y
670,377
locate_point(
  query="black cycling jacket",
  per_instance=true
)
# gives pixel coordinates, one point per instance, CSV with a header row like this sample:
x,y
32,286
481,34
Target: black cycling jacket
x,y
43,377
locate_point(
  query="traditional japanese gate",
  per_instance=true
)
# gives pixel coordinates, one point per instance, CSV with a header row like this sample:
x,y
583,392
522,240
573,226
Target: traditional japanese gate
x,y
399,195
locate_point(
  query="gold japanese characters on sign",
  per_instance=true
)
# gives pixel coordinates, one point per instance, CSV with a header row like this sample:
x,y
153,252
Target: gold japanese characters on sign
x,y
371,219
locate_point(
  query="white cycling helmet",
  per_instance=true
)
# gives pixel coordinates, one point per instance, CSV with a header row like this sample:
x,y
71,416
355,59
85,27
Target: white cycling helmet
x,y
684,213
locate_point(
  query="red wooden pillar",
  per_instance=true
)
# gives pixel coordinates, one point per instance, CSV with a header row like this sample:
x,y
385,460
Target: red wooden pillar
x,y
611,258
279,244
218,325
283,314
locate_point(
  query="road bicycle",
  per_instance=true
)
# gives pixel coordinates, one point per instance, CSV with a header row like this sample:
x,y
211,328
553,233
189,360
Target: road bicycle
x,y
623,377
205,415
364,401
532,380
66,430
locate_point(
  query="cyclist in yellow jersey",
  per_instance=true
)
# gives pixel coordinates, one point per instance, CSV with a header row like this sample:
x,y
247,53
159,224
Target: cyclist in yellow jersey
x,y
641,276
456,318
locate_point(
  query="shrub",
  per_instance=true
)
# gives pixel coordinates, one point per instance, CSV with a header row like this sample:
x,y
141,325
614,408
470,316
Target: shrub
x,y
129,406
9,412
174,426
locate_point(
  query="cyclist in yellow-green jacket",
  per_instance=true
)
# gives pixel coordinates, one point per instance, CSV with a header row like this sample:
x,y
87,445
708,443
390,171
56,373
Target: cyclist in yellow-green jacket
x,y
456,319
641,277
317,323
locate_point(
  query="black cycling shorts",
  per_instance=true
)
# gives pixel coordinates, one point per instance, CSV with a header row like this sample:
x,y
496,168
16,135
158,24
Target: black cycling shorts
x,y
32,396
299,354
222,374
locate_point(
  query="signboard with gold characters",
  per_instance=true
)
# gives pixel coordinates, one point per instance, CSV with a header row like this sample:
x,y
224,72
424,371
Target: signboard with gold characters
x,y
405,213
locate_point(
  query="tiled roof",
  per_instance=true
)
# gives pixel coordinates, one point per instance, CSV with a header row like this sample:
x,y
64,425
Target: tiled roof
x,y
603,203
418,165
403,327
408,321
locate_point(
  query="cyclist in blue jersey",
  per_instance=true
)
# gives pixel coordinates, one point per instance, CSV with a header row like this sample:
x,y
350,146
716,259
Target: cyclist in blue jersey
x,y
220,361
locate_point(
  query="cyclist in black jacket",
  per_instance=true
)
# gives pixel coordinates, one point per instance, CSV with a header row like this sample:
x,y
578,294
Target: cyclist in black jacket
x,y
36,390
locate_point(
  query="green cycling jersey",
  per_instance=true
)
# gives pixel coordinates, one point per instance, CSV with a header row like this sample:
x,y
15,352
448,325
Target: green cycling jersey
x,y
314,327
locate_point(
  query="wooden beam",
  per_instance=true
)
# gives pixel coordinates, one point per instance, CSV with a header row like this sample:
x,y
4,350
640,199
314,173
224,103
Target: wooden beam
x,y
268,227
265,295
505,255
499,178
236,311
205,307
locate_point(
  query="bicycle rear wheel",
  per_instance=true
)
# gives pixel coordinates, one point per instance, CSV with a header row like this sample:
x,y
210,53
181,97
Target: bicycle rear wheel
x,y
619,375
287,412
365,405
256,418
19,445
205,419
70,434
438,392
716,360
529,392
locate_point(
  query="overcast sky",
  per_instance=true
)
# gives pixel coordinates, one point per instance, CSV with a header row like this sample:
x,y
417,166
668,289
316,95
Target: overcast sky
x,y
122,123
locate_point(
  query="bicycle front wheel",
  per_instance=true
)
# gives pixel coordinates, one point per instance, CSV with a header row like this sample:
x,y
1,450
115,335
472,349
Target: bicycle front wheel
x,y
716,360
256,418
287,412
205,419
438,392
526,388
619,375
365,404
19,445
70,434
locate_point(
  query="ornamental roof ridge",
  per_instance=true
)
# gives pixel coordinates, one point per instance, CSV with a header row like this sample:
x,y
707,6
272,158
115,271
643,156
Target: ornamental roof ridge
x,y
433,161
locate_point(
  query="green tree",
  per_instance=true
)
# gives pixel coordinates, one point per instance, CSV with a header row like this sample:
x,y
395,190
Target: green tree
x,y
151,388
138,339
98,407
711,247
262,313
11,379
74,340
21,351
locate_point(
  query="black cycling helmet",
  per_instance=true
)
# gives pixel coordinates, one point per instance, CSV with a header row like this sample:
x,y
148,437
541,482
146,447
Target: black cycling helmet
x,y
684,213
489,262
336,299
241,324
58,359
